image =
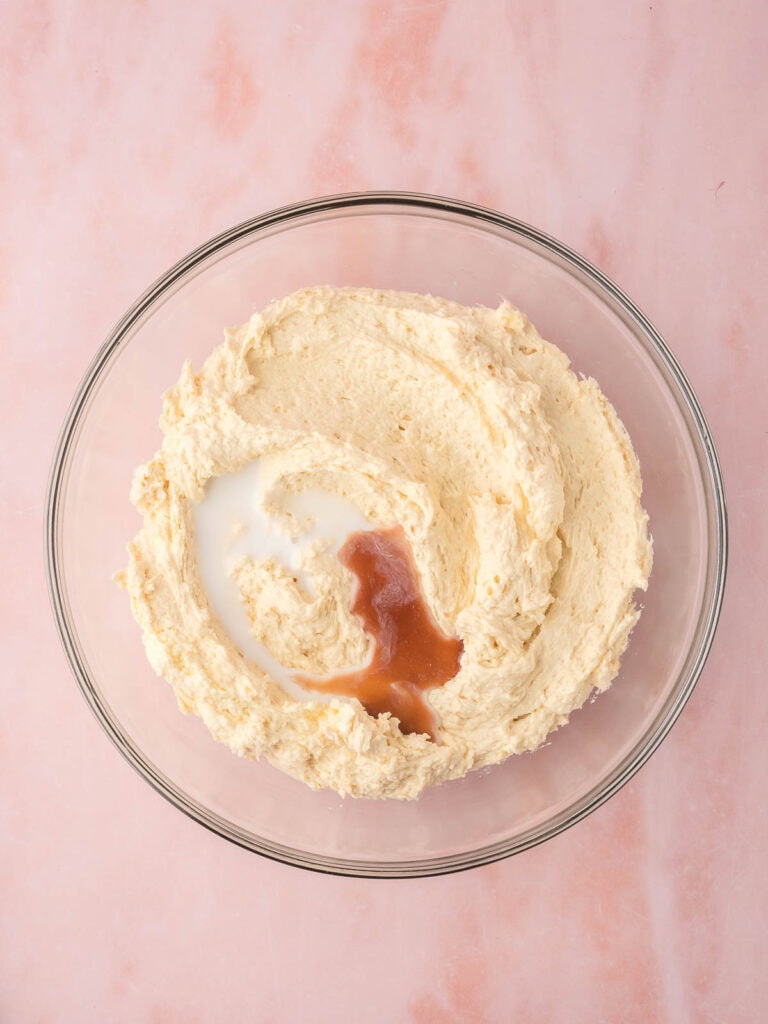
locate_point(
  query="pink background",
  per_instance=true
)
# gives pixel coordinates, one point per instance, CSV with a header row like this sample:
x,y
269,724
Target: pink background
x,y
636,133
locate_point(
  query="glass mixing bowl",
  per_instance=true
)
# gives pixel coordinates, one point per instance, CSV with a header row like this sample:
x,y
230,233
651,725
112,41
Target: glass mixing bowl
x,y
422,244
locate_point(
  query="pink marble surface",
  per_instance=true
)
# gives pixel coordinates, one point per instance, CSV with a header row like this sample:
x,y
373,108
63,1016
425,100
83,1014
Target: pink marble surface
x,y
636,133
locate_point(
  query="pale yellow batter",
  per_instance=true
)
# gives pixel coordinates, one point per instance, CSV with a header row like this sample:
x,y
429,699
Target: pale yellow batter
x,y
514,481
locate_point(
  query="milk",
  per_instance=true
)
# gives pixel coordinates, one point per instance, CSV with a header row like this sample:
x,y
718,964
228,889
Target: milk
x,y
230,523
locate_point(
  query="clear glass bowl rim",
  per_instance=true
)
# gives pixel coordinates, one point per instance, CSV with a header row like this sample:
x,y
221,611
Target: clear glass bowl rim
x,y
404,202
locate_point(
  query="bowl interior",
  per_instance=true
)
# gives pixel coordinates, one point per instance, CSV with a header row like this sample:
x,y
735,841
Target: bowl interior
x,y
458,256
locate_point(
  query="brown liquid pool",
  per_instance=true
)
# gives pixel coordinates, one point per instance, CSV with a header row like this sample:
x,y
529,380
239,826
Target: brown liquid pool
x,y
411,654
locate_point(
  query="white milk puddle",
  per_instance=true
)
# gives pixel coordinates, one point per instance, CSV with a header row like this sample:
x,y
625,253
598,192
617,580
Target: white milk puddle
x,y
237,498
